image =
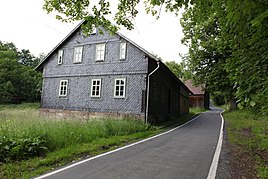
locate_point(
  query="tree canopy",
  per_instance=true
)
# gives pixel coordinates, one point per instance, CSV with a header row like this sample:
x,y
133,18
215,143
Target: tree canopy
x,y
228,43
227,39
100,12
19,82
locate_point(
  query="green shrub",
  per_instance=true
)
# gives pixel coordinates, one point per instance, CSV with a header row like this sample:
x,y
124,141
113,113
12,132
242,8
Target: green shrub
x,y
16,149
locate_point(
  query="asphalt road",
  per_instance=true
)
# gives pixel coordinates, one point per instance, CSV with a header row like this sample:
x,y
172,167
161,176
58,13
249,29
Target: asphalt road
x,y
184,153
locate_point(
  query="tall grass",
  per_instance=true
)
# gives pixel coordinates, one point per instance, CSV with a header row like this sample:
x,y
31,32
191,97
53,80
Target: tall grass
x,y
20,126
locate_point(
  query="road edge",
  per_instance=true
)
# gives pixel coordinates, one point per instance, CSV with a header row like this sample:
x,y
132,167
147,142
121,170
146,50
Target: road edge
x,y
214,165
113,151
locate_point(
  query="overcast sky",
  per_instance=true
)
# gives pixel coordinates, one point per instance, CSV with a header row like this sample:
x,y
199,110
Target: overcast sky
x,y
28,26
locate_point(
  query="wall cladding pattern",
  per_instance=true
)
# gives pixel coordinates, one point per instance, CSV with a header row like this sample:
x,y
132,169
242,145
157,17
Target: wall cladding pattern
x,y
79,94
79,76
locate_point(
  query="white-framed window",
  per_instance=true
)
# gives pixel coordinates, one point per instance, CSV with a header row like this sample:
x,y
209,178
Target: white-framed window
x,y
63,89
120,87
100,52
123,47
94,31
60,56
78,52
95,88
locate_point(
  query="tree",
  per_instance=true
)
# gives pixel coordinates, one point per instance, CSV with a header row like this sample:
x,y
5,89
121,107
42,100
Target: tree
x,y
100,13
207,54
227,42
176,68
18,82
26,58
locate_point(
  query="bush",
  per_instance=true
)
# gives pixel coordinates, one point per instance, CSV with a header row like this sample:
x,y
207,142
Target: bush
x,y
14,149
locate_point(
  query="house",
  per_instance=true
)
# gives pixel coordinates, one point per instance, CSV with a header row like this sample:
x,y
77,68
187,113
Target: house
x,y
199,97
110,75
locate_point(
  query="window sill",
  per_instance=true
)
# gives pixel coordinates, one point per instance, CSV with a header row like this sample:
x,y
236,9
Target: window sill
x,y
115,97
95,97
99,60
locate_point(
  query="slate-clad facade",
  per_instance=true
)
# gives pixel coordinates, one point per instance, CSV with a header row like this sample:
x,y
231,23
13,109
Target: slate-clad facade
x,y
107,74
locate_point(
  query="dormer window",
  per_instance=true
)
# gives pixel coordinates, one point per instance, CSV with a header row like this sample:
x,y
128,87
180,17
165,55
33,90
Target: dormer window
x,y
100,52
78,51
60,56
123,46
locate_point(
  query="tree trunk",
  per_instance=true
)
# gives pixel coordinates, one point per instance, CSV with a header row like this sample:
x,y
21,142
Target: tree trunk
x,y
233,104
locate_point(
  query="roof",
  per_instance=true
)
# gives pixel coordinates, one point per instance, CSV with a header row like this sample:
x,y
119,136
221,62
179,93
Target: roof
x,y
195,89
39,66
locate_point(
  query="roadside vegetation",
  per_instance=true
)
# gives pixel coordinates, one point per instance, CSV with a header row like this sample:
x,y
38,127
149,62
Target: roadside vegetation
x,y
248,139
31,144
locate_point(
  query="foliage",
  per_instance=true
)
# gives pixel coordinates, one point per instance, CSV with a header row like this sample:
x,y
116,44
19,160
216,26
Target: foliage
x,y
16,149
27,59
247,132
218,99
18,80
25,134
99,13
227,40
176,68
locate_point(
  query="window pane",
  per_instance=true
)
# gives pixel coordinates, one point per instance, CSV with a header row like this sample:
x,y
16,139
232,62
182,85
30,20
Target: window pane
x,y
63,88
117,93
95,88
123,50
100,52
78,54
119,88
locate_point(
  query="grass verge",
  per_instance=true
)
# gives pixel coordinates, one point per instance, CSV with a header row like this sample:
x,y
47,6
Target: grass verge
x,y
31,144
248,137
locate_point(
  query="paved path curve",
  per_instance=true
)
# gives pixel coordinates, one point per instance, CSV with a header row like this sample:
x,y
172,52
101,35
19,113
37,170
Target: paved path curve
x,y
184,153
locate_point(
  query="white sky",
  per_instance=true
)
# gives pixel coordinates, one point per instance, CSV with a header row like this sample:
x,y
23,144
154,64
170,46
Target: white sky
x,y
28,26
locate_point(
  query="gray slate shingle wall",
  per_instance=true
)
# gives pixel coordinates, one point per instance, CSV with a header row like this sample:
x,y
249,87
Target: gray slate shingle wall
x,y
134,69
